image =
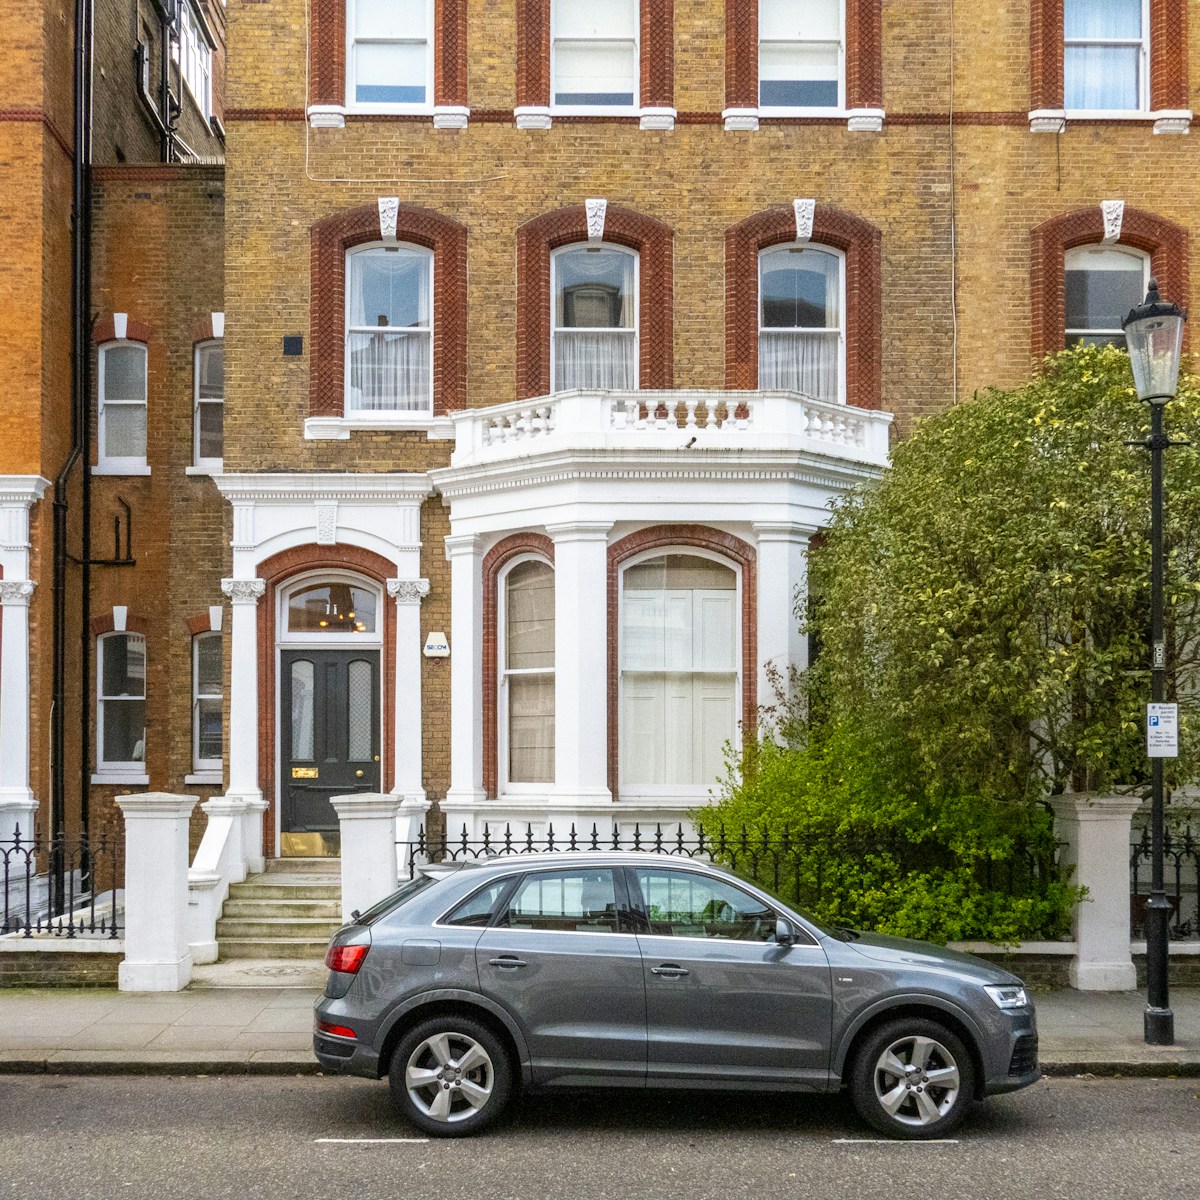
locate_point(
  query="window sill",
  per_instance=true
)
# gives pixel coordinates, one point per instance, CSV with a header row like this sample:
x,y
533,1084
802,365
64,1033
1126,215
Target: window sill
x,y
338,429
216,467
129,778
655,117
114,469
204,778
1165,120
858,120
443,116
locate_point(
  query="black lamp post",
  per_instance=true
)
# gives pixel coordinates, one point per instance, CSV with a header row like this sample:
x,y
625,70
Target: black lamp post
x,y
1154,336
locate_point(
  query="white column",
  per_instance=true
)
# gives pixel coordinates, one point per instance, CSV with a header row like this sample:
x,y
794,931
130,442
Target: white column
x,y
244,730
1096,831
17,803
782,581
157,958
368,827
581,661
466,668
408,594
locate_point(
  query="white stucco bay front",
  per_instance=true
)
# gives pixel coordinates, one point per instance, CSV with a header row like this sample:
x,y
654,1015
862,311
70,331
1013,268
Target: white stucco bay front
x,y
586,470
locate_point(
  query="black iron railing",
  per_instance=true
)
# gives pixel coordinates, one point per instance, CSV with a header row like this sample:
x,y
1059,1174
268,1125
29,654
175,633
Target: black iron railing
x,y
61,887
1181,872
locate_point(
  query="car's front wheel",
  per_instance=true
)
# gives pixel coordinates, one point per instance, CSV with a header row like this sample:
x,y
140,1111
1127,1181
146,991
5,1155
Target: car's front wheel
x,y
913,1078
450,1076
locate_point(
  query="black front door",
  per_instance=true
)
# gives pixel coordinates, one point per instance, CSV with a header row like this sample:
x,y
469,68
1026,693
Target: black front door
x,y
329,744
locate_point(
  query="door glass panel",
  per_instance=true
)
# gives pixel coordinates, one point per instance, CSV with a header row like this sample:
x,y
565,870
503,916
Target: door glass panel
x,y
681,904
360,710
329,608
302,709
565,901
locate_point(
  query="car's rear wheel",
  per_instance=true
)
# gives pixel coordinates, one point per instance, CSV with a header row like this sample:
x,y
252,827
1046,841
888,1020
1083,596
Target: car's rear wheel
x,y
913,1078
450,1076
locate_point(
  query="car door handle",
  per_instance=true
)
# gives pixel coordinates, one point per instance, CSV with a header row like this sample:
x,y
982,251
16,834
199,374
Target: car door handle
x,y
506,961
670,971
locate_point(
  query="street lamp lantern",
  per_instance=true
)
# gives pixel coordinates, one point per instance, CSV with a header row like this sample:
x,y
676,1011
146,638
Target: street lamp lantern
x,y
1154,336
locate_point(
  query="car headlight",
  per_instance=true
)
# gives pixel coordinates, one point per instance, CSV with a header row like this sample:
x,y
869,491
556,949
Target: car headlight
x,y
1007,995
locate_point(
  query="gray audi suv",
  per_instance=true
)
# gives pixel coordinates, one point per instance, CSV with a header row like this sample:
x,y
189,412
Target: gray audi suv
x,y
650,971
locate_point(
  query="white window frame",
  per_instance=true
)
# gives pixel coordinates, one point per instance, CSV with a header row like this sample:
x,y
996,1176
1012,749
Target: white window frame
x,y
210,465
204,766
132,771
376,417
840,255
193,57
1109,114
628,789
1133,252
124,464
611,110
351,105
838,110
555,328
506,785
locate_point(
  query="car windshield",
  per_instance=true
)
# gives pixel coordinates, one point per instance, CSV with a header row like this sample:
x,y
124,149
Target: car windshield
x,y
397,898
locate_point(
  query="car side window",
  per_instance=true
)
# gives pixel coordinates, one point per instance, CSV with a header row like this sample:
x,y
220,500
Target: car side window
x,y
477,909
582,901
684,904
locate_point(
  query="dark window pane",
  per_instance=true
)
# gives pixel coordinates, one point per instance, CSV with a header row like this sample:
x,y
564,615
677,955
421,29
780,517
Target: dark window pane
x,y
208,729
123,665
329,608
798,93
572,901
124,731
477,909
1099,298
210,418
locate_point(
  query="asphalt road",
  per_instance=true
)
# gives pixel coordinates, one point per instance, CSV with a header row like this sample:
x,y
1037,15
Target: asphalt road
x,y
207,1137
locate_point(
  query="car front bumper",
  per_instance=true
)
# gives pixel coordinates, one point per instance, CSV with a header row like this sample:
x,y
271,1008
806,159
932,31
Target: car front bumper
x,y
1014,1055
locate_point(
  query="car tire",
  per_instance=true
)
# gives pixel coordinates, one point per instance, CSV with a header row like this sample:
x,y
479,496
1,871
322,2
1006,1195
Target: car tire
x,y
913,1079
450,1076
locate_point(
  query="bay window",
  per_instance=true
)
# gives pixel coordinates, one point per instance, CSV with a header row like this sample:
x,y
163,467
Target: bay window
x,y
527,672
121,702
390,54
1102,284
679,666
800,54
389,333
594,321
800,321
1105,55
121,385
594,53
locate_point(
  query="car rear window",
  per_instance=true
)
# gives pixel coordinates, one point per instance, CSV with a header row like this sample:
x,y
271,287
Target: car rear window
x,y
390,903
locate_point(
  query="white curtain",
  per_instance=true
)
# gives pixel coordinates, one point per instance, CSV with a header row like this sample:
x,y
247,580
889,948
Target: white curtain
x,y
799,362
390,370
1100,76
595,360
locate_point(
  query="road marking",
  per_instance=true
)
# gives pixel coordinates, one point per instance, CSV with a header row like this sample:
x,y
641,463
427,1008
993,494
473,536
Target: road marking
x,y
371,1141
893,1142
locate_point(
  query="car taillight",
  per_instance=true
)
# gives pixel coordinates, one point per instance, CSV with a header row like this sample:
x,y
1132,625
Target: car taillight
x,y
337,1030
346,958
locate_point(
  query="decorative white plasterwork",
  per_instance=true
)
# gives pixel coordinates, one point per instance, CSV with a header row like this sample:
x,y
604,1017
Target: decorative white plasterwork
x,y
1113,212
326,116
120,326
451,116
243,591
864,120
1173,120
740,119
16,591
389,210
327,524
1047,120
805,211
658,118
218,324
322,485
408,591
596,210
532,116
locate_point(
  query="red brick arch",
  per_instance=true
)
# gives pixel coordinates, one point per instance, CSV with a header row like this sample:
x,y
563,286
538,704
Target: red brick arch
x,y
494,561
277,571
668,537
1168,54
536,240
860,242
1165,242
105,330
330,239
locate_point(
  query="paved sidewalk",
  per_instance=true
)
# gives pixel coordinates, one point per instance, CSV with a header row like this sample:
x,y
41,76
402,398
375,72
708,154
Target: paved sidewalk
x,y
256,1018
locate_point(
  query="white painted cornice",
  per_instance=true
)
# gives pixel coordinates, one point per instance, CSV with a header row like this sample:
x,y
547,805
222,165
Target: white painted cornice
x,y
22,489
310,487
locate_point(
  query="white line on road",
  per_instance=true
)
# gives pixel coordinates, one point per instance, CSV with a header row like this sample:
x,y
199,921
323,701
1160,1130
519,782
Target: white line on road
x,y
371,1141
893,1142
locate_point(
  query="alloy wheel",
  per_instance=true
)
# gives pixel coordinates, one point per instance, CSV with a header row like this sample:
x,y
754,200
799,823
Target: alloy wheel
x,y
449,1077
916,1080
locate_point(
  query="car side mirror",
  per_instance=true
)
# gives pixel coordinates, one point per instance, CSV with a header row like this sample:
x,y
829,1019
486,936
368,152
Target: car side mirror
x,y
784,934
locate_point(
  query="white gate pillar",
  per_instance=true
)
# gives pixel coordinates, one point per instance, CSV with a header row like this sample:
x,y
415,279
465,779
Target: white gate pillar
x,y
244,595
782,580
17,804
1096,831
368,827
580,661
465,555
157,958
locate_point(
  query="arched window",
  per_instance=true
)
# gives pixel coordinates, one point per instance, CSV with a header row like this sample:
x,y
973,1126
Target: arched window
x,y
1102,284
389,330
209,399
121,387
120,702
800,321
594,331
207,691
527,671
331,609
679,669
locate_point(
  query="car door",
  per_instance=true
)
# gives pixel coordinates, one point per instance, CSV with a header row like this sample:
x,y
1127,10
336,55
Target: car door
x,y
724,1002
562,961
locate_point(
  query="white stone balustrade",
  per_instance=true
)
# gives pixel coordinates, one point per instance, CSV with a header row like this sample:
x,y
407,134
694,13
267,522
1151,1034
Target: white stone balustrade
x,y
655,420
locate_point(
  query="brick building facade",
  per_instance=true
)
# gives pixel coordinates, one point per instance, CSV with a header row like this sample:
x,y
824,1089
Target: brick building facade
x,y
555,332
